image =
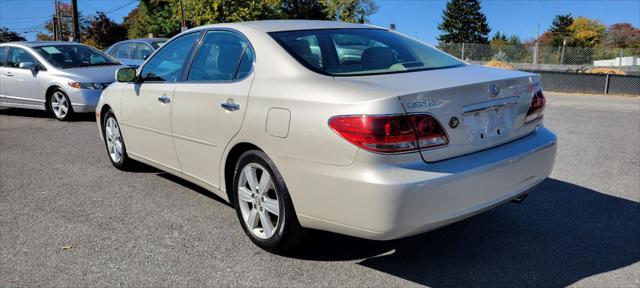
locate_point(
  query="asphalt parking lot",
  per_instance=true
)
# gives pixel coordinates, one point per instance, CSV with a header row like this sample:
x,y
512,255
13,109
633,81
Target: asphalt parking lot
x,y
58,190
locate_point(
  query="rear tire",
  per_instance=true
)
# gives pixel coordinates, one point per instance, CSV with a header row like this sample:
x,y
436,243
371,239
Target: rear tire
x,y
263,204
60,105
114,142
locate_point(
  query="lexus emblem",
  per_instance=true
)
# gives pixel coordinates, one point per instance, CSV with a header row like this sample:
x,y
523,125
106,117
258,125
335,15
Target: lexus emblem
x,y
494,90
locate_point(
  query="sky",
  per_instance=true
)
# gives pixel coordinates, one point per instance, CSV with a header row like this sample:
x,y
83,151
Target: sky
x,y
417,18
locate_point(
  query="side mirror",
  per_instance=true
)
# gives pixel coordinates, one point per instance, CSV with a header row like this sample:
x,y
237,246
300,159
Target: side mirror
x,y
28,65
127,74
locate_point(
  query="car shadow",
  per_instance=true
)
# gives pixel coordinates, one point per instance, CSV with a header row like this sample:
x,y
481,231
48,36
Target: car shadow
x,y
79,117
561,234
193,187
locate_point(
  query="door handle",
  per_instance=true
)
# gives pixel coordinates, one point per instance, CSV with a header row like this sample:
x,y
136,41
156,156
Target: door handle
x,y
164,99
8,74
230,105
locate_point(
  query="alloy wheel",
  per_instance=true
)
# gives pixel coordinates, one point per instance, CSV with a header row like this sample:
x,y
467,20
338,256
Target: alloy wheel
x,y
114,139
59,105
258,200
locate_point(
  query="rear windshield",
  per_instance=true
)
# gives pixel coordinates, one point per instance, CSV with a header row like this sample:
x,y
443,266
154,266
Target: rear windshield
x,y
349,52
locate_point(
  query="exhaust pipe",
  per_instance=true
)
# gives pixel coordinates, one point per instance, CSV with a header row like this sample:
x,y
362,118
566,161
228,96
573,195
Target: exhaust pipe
x,y
520,198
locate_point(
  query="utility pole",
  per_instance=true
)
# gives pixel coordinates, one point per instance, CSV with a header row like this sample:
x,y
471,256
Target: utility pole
x,y
76,25
56,25
183,26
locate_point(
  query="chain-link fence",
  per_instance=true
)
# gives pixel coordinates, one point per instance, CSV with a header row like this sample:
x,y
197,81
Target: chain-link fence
x,y
567,69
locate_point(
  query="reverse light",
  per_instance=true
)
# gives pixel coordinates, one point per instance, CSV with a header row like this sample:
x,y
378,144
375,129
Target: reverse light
x,y
536,108
390,133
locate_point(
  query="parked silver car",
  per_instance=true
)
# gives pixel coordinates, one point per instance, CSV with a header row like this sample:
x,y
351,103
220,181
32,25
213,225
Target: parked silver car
x,y
60,77
334,126
134,52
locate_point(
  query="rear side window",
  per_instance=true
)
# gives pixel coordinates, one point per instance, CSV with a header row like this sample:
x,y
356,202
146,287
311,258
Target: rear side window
x,y
350,52
246,64
168,63
142,51
219,57
15,56
124,51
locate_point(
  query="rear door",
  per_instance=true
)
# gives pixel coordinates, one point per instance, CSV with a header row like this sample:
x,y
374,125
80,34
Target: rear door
x,y
146,106
209,106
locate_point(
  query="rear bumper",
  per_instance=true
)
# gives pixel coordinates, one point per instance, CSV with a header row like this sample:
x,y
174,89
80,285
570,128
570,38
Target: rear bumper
x,y
379,200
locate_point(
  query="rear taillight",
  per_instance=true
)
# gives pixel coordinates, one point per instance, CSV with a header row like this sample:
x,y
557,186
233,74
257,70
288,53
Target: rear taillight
x,y
390,133
536,108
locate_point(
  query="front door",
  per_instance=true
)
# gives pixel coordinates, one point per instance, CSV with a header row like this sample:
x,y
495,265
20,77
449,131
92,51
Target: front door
x,y
21,85
146,106
209,106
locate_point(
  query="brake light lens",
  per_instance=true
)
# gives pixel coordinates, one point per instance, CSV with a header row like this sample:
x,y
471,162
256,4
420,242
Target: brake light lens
x,y
390,133
536,108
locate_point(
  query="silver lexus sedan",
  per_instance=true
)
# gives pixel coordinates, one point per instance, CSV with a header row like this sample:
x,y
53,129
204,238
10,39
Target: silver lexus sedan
x,y
60,77
347,128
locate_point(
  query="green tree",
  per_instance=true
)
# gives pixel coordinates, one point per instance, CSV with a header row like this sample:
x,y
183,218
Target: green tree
x,y
133,23
162,17
499,39
305,9
202,12
102,32
354,11
7,35
464,22
159,17
560,30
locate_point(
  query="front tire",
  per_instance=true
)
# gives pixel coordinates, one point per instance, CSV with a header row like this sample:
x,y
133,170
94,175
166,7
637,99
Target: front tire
x,y
115,143
263,204
60,105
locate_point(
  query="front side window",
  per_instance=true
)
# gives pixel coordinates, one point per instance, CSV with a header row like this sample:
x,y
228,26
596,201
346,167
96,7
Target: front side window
x,y
218,57
124,51
350,52
73,56
15,56
142,51
168,63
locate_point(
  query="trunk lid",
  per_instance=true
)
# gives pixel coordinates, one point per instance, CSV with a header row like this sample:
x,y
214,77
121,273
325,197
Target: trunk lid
x,y
488,104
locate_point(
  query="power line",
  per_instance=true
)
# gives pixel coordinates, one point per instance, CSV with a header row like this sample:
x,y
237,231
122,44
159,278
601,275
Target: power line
x,y
120,7
48,18
25,18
